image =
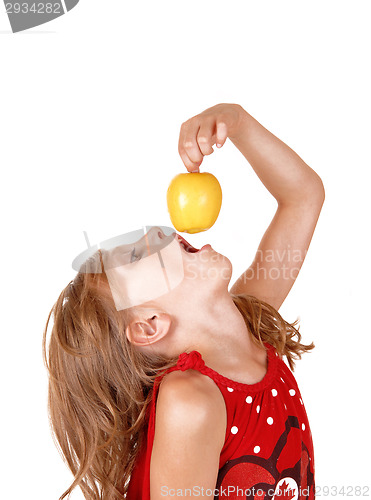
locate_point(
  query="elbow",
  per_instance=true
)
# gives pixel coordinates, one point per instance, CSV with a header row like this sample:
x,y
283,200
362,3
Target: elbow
x,y
312,194
316,191
321,191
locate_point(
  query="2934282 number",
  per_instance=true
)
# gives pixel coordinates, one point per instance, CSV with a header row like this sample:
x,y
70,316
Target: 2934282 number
x,y
344,491
34,8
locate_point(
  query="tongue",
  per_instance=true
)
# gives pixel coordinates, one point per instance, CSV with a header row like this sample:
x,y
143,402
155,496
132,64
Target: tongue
x,y
192,249
189,247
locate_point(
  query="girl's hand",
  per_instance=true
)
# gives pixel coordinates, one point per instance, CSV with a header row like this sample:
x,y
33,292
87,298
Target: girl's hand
x,y
199,134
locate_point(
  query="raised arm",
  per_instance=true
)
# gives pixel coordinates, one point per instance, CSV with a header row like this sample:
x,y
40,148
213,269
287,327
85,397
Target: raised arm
x,y
300,195
297,188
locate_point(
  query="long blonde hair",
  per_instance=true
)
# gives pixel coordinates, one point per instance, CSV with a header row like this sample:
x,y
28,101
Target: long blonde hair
x,y
100,385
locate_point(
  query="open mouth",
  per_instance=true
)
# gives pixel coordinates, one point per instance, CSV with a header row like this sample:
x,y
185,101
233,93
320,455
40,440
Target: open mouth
x,y
187,246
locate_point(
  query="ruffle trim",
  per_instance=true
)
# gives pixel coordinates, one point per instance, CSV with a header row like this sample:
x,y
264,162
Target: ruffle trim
x,y
193,360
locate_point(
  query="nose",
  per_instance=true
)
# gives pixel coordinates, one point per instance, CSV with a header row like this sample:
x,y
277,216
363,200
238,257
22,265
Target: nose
x,y
157,232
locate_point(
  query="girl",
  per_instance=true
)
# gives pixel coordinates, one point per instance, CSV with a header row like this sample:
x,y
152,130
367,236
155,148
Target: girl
x,y
188,395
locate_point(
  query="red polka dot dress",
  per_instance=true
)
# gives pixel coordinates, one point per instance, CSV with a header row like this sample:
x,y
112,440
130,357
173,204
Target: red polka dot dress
x,y
268,450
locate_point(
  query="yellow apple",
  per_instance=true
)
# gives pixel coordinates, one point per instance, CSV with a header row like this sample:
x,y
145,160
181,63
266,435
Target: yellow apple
x,y
194,200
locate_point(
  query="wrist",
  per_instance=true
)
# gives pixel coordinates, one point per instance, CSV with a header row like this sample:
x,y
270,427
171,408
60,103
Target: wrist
x,y
242,122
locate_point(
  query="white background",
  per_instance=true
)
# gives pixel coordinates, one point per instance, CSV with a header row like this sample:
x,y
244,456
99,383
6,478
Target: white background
x,y
91,107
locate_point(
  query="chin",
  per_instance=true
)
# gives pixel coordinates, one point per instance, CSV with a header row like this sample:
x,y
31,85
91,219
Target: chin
x,y
217,269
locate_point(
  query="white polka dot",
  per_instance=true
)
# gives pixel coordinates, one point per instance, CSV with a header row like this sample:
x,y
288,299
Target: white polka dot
x,y
292,392
303,427
234,430
248,399
274,393
270,420
285,406
258,409
230,389
256,449
301,401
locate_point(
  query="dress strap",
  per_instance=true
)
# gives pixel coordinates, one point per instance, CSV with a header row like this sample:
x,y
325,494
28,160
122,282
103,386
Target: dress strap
x,y
193,360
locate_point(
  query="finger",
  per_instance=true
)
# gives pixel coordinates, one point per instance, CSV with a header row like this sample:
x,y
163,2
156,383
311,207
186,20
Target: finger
x,y
191,147
188,146
190,166
221,134
205,138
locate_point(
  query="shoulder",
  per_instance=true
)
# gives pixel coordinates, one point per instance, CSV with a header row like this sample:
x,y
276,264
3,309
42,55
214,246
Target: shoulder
x,y
190,387
191,401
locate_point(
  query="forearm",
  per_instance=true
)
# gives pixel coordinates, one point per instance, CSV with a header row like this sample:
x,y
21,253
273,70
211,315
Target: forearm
x,y
286,176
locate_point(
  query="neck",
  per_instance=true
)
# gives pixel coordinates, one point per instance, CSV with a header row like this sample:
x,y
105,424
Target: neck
x,y
217,330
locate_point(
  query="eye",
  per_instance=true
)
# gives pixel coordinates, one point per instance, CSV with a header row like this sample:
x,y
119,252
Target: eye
x,y
133,256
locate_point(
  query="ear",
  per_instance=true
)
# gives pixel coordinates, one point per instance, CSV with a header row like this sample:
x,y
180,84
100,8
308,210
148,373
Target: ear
x,y
148,331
